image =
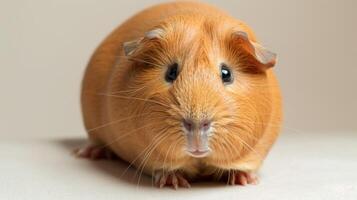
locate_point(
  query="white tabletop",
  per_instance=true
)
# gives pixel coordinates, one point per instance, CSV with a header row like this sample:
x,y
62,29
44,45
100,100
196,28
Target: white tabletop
x,y
300,166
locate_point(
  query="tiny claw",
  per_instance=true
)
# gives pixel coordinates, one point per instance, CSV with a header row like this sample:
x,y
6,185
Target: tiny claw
x,y
253,179
232,180
242,178
162,181
175,186
183,182
175,179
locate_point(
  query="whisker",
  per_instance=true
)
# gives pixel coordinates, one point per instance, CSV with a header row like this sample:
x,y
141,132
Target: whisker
x,y
141,153
115,121
229,144
126,134
148,155
139,60
135,90
273,125
246,144
152,144
167,153
251,148
177,142
134,98
229,176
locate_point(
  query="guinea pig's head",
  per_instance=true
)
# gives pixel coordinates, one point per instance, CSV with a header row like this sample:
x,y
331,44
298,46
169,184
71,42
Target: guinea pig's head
x,y
206,86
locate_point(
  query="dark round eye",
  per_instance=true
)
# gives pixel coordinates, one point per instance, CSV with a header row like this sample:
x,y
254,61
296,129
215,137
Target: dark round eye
x,y
171,73
226,74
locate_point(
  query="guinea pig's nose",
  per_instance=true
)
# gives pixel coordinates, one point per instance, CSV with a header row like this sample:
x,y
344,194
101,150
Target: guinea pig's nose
x,y
202,125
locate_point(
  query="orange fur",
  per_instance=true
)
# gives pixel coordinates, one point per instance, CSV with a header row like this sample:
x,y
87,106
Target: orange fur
x,y
128,106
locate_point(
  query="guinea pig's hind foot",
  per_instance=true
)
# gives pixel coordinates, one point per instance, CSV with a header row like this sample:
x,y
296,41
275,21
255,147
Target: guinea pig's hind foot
x,y
242,178
95,152
174,179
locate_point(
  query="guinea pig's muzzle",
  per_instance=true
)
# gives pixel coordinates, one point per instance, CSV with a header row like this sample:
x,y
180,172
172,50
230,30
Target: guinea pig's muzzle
x,y
197,133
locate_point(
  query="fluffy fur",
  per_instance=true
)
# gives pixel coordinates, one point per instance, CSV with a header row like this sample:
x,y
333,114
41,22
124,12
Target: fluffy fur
x,y
128,106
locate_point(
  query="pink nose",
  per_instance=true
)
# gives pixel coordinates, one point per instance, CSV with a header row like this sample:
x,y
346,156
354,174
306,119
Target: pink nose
x,y
189,125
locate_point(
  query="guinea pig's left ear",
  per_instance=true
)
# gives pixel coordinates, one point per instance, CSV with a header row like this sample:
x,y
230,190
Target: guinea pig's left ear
x,y
132,46
265,58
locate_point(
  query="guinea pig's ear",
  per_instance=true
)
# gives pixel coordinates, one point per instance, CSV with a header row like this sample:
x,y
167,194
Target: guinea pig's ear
x,y
132,46
264,58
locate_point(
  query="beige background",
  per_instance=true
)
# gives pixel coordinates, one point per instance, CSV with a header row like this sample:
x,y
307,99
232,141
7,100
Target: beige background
x,y
45,46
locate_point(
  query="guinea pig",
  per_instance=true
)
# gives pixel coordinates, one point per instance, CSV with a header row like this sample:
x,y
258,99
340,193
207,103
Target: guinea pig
x,y
182,90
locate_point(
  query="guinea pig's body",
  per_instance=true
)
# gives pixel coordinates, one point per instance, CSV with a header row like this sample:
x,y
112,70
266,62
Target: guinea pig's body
x,y
182,90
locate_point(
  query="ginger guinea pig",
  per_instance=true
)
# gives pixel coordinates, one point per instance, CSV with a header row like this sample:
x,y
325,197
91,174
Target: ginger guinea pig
x,y
183,90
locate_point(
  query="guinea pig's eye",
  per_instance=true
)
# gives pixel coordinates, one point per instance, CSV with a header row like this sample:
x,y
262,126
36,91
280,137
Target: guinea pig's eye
x,y
171,73
226,74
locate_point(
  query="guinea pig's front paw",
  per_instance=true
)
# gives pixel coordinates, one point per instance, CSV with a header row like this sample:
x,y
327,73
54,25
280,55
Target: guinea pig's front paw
x,y
95,152
242,178
173,178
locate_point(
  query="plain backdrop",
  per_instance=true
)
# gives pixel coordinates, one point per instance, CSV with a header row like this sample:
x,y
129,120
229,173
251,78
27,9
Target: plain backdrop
x,y
46,44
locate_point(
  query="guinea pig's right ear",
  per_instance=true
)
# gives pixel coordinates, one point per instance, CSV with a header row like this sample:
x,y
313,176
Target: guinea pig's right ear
x,y
133,46
263,57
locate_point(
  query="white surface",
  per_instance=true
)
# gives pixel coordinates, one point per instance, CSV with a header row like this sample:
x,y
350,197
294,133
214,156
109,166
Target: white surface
x,y
301,166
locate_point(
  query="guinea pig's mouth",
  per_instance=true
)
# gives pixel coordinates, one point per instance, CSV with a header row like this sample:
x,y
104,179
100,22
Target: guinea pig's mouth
x,y
198,153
